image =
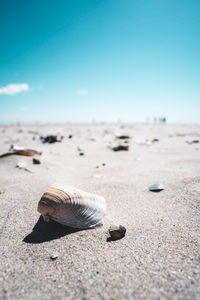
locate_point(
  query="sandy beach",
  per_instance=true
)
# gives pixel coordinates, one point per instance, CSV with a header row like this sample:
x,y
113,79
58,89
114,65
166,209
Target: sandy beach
x,y
159,256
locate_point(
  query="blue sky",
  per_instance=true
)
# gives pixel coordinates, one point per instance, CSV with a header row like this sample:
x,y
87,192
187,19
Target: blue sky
x,y
108,60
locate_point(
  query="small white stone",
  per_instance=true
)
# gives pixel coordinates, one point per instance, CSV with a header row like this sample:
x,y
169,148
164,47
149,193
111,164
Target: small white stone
x,y
53,256
156,187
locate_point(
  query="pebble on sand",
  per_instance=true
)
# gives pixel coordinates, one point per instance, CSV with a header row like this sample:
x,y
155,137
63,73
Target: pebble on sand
x,y
121,148
156,187
117,231
36,161
155,140
54,256
123,137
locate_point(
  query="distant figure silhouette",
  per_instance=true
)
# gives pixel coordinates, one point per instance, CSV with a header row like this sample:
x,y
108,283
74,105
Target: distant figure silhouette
x,y
162,120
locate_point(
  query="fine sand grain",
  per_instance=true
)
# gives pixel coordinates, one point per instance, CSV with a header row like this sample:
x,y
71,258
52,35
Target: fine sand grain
x,y
159,256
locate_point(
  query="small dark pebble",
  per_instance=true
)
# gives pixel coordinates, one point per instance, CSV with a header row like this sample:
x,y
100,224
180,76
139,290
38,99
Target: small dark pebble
x,y
36,161
97,167
155,140
70,136
81,153
121,148
103,164
123,137
117,232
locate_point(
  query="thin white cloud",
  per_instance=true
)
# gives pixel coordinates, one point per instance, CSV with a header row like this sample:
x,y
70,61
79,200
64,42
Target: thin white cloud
x,y
82,92
14,88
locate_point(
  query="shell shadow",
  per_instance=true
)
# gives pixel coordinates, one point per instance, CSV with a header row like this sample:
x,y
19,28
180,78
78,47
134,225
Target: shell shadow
x,y
111,239
45,232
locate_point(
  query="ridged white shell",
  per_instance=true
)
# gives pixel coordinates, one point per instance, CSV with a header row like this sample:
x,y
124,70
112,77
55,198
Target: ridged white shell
x,y
72,207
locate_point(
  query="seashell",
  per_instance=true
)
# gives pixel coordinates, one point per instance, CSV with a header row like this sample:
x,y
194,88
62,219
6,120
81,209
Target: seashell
x,y
72,207
23,151
20,151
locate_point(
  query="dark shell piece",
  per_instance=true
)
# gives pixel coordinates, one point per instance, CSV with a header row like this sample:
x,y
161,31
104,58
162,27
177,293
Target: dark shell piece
x,y
51,139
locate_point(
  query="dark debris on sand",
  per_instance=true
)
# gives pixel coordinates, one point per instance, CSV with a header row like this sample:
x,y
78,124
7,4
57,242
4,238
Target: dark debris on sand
x,y
51,139
121,148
